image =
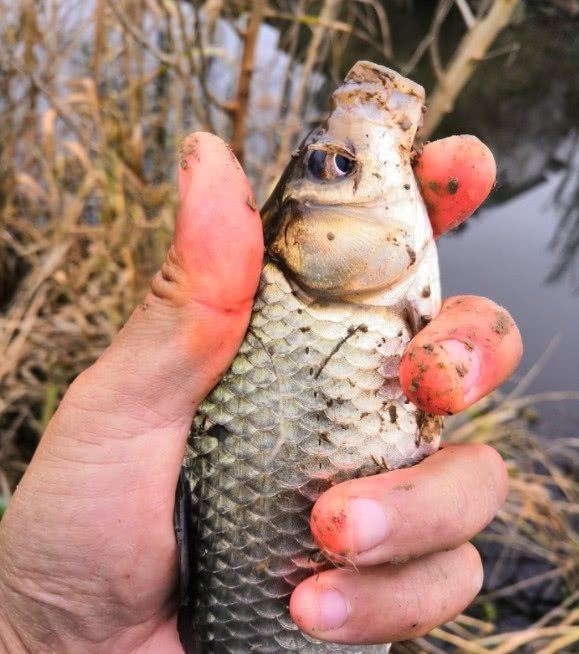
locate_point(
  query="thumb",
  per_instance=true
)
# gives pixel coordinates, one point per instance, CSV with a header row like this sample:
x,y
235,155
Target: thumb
x,y
94,509
181,339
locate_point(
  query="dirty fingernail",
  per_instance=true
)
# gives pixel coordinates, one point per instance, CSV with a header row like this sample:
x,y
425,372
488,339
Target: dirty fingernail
x,y
333,609
370,523
186,154
467,365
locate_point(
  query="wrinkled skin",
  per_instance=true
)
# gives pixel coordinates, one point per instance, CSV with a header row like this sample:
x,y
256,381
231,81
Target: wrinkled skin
x,y
87,549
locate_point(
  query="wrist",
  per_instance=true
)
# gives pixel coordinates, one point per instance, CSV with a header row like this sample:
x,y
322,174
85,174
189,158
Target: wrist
x,y
23,625
14,613
10,642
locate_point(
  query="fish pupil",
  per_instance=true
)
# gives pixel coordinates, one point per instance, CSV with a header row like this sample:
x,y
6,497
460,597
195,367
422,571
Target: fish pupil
x,y
317,164
326,166
344,165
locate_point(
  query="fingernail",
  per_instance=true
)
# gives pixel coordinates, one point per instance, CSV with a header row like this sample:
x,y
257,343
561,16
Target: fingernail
x,y
370,523
466,363
183,182
187,152
333,609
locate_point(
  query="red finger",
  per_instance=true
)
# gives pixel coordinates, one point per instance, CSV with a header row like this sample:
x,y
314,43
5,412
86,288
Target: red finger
x,y
469,349
455,176
218,233
392,516
182,338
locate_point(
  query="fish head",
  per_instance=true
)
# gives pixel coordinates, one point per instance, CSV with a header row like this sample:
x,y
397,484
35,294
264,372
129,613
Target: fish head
x,y
347,217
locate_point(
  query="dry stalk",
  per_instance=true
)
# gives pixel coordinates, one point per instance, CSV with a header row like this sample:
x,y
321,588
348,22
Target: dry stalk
x,y
99,38
87,214
472,49
294,119
238,108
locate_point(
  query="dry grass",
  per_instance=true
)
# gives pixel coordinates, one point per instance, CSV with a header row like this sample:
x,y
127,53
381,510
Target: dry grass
x,y
93,103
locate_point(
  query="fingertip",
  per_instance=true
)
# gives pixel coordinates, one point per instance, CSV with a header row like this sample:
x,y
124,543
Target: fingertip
x,y
429,379
302,606
471,348
330,522
496,463
455,175
475,570
218,233
318,607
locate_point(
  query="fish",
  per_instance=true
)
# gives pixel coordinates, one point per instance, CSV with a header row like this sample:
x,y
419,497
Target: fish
x,y
313,397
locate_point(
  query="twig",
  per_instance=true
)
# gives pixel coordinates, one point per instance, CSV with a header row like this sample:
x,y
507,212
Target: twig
x,y
141,38
64,114
384,26
439,17
327,15
560,643
505,591
466,12
240,105
512,641
99,38
299,17
534,371
202,74
473,47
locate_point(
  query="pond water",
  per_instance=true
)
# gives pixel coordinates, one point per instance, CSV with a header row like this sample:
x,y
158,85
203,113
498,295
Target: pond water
x,y
505,254
522,248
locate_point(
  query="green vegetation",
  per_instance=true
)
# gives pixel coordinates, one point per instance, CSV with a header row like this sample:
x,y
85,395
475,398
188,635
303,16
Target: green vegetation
x,y
94,99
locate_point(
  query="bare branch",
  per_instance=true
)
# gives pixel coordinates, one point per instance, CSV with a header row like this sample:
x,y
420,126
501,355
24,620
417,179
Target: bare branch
x,y
141,38
328,14
240,104
385,33
472,49
440,15
466,12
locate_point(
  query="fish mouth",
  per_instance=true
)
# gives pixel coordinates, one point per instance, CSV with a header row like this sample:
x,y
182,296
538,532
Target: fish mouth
x,y
332,251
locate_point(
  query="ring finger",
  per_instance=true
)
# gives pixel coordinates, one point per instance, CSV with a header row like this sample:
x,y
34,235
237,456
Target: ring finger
x,y
389,602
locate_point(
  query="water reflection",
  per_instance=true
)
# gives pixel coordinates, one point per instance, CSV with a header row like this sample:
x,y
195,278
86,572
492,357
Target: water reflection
x,y
506,254
565,240
522,250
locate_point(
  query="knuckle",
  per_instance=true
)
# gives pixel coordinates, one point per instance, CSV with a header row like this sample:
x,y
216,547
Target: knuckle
x,y
169,283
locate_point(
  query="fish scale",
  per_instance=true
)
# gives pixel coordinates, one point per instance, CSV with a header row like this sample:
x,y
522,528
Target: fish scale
x,y
313,397
323,404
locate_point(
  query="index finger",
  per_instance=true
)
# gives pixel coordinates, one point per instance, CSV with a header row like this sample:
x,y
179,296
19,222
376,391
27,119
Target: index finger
x,y
455,176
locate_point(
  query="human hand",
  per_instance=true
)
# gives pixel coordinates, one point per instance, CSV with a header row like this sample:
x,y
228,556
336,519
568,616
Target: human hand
x,y
87,549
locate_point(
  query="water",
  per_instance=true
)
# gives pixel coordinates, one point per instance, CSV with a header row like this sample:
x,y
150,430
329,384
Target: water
x,y
520,250
523,101
505,255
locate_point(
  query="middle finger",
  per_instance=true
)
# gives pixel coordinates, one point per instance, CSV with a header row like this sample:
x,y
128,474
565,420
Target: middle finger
x,y
438,504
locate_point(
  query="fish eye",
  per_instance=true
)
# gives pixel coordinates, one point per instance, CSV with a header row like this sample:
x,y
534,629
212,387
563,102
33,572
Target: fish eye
x,y
317,163
343,165
328,166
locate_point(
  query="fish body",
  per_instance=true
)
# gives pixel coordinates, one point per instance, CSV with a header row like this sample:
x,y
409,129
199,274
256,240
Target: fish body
x,y
313,397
